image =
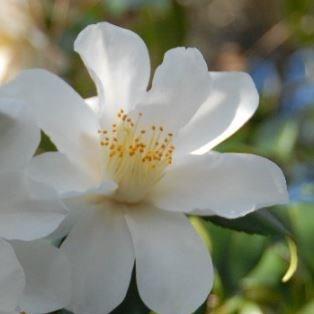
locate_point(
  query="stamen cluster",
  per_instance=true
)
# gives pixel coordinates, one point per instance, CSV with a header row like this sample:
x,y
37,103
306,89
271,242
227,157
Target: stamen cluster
x,y
136,157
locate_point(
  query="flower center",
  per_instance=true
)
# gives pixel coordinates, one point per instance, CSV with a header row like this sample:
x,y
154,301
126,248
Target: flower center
x,y
136,158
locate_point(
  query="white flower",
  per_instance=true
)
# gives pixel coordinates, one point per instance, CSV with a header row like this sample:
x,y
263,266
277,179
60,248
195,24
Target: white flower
x,y
125,168
34,276
12,280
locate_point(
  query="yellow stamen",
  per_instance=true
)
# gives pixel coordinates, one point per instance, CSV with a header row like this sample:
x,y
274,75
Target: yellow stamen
x,y
136,159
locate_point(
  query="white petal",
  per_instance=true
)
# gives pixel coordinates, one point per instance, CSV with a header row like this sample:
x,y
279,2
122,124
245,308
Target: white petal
x,y
19,136
12,279
100,250
77,209
180,85
230,185
232,100
94,104
78,204
173,268
28,210
48,276
62,114
118,61
56,170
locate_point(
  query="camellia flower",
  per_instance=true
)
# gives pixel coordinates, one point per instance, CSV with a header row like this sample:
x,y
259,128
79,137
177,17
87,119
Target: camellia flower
x,y
34,275
126,171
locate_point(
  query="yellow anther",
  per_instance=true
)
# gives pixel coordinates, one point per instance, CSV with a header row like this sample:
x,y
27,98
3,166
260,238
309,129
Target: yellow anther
x,y
137,157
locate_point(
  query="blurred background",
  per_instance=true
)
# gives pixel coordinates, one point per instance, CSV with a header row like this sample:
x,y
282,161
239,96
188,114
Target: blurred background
x,y
273,40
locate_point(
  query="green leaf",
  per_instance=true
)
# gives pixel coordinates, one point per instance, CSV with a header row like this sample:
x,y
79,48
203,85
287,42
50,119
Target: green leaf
x,y
46,145
265,223
228,251
302,217
261,222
